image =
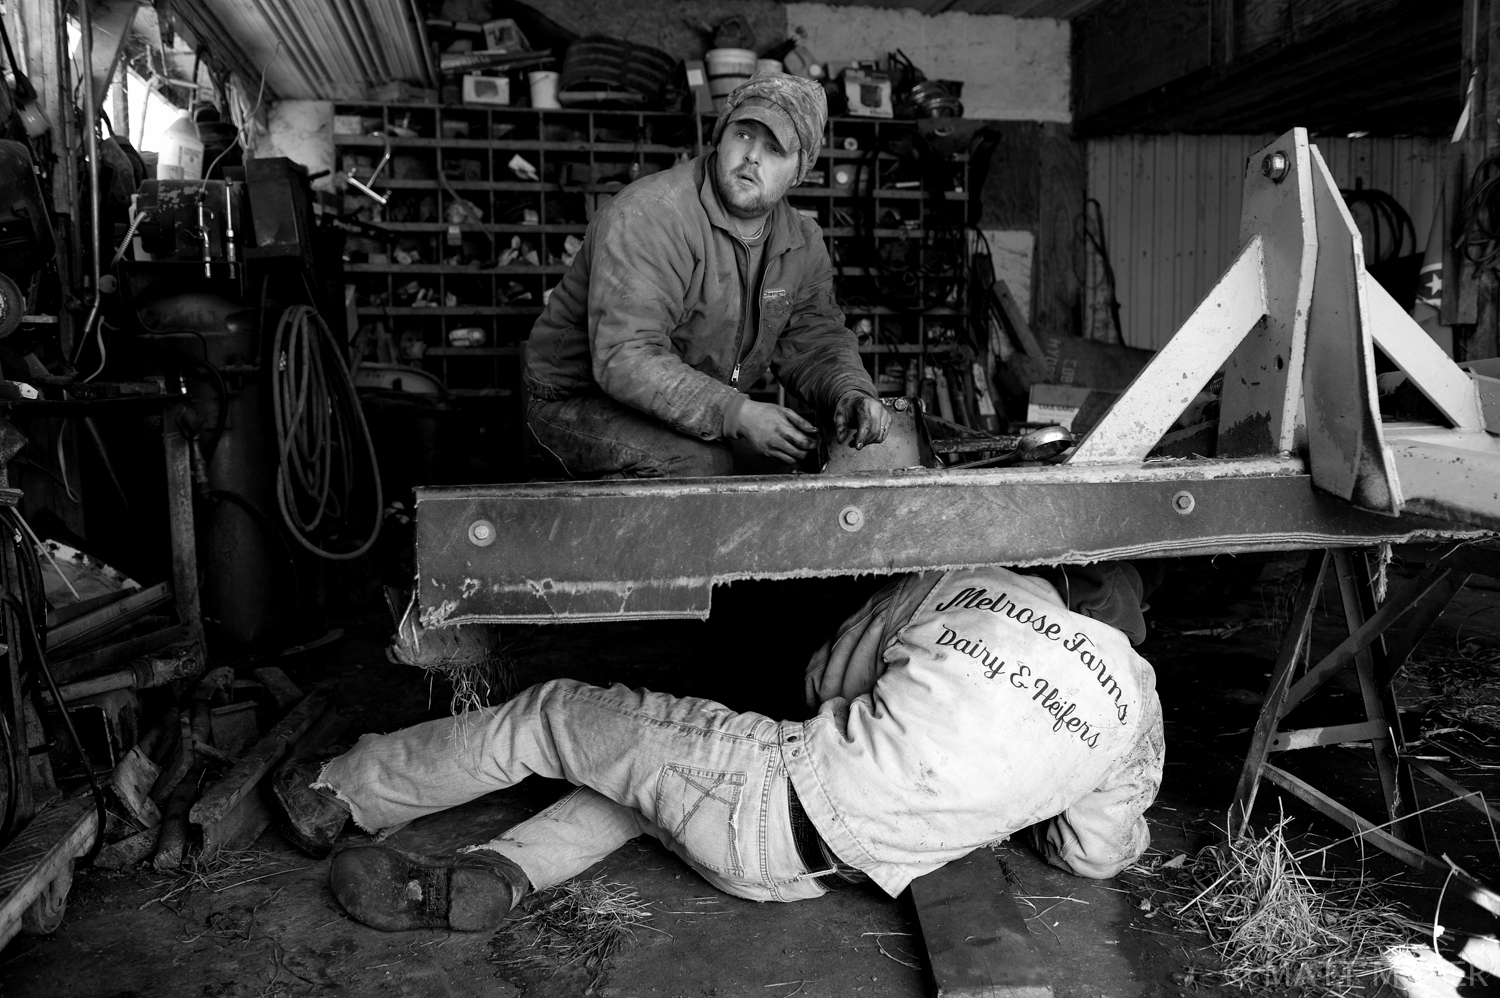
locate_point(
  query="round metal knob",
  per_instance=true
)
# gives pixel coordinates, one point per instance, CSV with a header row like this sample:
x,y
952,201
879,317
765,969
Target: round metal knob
x,y
481,533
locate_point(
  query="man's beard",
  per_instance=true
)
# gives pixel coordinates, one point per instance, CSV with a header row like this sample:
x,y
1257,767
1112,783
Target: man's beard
x,y
742,203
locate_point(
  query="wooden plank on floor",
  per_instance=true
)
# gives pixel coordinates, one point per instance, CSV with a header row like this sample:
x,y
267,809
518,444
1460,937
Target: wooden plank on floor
x,y
218,804
252,813
977,943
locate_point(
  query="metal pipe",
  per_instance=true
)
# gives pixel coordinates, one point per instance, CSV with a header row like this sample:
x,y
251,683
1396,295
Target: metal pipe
x,y
230,254
64,178
91,143
143,674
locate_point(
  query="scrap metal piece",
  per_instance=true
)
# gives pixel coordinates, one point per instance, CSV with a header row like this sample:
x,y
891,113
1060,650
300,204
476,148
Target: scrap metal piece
x,y
1045,443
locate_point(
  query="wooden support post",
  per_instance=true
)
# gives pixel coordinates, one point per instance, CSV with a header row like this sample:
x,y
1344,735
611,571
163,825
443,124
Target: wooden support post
x,y
1379,838
180,523
1025,339
1423,615
1366,633
977,943
1397,790
1331,734
1485,341
1473,798
40,38
1418,604
1293,641
1478,298
1055,292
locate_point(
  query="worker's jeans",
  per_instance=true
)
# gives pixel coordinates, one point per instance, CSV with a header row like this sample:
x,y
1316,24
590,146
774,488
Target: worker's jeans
x,y
705,780
593,436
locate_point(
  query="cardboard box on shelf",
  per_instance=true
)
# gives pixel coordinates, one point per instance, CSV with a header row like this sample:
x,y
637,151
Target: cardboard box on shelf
x,y
868,94
486,90
1063,404
502,35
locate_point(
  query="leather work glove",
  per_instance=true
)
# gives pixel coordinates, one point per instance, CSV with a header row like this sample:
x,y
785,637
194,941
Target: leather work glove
x,y
859,419
774,431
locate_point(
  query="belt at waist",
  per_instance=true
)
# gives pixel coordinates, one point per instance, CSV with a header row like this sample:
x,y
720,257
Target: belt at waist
x,y
811,848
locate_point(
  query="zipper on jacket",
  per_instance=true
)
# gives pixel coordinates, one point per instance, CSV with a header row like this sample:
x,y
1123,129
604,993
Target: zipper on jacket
x,y
739,339
760,283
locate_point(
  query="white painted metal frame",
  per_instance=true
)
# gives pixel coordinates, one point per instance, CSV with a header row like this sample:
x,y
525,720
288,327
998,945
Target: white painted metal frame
x,y
1294,323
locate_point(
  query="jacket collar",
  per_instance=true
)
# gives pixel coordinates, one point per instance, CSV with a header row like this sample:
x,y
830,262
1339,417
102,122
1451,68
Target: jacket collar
x,y
786,233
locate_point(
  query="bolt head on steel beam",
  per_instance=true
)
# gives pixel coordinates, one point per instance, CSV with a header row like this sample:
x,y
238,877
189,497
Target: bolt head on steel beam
x,y
1276,165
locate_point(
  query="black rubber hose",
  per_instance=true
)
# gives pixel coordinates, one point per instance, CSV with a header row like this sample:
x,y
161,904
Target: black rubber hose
x,y
222,391
319,429
12,785
269,525
23,610
88,768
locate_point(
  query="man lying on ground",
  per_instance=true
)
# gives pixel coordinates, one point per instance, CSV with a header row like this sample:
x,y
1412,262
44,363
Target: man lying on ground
x,y
954,709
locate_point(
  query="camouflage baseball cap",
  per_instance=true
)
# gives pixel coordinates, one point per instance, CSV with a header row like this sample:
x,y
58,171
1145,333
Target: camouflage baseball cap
x,y
794,109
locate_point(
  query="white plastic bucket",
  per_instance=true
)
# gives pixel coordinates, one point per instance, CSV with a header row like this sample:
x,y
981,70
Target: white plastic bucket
x,y
768,66
543,89
727,69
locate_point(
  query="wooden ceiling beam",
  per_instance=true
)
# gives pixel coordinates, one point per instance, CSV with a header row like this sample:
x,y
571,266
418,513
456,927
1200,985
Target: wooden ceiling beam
x,y
1391,72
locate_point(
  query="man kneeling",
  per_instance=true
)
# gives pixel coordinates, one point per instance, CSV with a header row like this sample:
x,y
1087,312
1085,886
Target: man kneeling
x,y
952,710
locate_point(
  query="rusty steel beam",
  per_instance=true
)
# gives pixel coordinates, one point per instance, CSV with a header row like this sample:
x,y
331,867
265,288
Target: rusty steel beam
x,y
580,551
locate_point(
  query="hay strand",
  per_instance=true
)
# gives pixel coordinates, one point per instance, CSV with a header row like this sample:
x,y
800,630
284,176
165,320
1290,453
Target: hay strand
x,y
1458,688
1273,925
581,923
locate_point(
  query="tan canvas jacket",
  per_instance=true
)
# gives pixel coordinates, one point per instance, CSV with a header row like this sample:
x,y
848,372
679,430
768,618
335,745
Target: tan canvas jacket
x,y
956,708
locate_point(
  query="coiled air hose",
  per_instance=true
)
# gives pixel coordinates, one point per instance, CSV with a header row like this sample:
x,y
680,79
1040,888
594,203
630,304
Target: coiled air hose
x,y
318,418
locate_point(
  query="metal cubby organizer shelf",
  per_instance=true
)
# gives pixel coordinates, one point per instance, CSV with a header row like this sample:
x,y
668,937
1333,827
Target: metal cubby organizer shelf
x,y
469,186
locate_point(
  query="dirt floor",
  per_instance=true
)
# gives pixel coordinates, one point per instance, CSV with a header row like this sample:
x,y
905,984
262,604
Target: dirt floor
x,y
262,923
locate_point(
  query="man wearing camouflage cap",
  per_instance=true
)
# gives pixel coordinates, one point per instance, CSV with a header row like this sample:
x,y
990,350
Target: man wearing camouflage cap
x,y
691,283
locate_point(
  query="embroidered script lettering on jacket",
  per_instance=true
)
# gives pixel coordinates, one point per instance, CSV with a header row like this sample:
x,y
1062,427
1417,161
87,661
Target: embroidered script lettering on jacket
x,y
1045,694
1079,643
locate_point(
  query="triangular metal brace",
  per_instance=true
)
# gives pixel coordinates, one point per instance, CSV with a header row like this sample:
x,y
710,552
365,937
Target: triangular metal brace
x,y
1293,323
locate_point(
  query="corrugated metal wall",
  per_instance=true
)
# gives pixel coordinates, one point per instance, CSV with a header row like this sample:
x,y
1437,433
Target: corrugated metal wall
x,y
1171,213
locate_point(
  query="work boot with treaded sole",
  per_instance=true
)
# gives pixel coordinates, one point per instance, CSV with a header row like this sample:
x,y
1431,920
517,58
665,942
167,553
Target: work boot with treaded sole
x,y
394,891
311,818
